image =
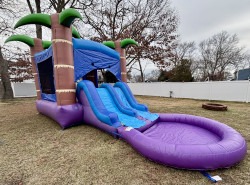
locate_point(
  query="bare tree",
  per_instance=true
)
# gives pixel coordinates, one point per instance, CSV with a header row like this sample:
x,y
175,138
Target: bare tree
x,y
152,23
60,5
6,84
219,54
39,33
184,50
39,6
245,63
6,14
20,68
153,75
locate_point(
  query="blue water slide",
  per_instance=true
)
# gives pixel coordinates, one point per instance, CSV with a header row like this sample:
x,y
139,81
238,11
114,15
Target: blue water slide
x,y
96,104
130,97
104,107
125,119
128,100
124,109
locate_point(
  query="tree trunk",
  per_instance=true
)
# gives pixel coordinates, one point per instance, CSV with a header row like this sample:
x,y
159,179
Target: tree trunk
x,y
7,90
141,71
39,33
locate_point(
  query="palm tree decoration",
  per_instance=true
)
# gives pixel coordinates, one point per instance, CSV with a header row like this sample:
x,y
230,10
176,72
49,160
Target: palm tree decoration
x,y
36,45
62,50
120,46
28,40
43,19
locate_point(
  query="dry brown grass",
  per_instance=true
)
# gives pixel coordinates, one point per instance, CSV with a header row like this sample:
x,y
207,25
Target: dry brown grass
x,y
34,150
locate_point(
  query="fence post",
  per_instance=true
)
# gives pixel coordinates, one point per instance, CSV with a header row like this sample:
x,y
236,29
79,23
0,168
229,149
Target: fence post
x,y
13,89
210,90
247,95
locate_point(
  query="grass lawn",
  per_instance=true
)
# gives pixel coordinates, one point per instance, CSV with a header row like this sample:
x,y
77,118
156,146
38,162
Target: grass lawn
x,y
34,149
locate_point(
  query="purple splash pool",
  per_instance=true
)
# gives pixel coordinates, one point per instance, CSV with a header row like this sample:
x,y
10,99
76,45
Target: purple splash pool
x,y
181,134
190,142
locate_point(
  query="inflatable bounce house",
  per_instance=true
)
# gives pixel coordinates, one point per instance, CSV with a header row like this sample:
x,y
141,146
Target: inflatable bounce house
x,y
65,72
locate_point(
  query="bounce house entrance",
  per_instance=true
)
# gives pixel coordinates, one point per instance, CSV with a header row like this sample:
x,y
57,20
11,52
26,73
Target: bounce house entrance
x,y
92,76
46,76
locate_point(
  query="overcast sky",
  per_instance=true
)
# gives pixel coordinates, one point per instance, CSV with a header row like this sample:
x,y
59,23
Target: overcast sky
x,y
200,19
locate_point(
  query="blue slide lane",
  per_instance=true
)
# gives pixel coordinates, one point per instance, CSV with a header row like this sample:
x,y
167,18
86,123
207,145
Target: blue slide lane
x,y
121,89
96,104
110,105
130,97
124,109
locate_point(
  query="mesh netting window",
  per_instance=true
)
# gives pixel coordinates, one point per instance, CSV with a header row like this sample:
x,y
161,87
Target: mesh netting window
x,y
46,75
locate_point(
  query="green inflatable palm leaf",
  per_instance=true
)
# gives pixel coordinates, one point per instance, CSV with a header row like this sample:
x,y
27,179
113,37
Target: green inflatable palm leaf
x,y
75,33
110,44
39,18
126,42
67,16
46,44
21,38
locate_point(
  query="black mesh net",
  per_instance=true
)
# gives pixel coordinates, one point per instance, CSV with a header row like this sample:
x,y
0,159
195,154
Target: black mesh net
x,y
46,75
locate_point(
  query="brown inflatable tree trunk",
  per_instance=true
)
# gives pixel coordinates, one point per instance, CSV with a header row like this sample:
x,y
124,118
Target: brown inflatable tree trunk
x,y
62,50
121,50
36,45
33,50
63,62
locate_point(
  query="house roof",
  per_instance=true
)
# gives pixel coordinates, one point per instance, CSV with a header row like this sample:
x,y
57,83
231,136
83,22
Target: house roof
x,y
244,74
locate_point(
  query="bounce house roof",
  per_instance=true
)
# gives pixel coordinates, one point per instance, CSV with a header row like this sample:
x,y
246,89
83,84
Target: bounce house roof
x,y
88,56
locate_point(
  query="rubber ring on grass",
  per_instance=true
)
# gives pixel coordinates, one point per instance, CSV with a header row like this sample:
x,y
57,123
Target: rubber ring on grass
x,y
214,106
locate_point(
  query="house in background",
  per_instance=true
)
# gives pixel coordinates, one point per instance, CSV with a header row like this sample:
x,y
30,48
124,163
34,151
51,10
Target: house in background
x,y
243,74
